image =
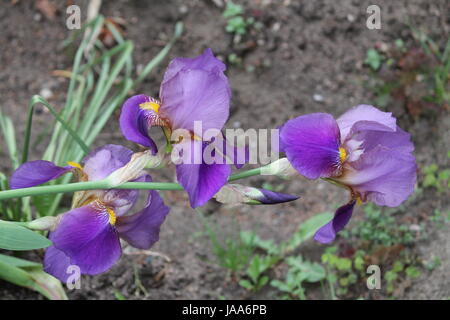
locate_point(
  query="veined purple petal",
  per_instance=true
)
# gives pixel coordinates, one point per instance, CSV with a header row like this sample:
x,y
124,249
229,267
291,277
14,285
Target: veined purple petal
x,y
370,117
311,143
196,95
57,263
141,229
134,122
85,235
384,176
206,61
327,233
237,155
101,162
399,140
200,180
33,173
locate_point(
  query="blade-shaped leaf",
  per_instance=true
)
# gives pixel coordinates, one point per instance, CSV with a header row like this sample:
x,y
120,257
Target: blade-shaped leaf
x,y
7,129
47,285
34,278
15,237
19,263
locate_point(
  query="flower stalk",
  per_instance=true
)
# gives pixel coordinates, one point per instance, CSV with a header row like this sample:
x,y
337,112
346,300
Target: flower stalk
x,y
106,184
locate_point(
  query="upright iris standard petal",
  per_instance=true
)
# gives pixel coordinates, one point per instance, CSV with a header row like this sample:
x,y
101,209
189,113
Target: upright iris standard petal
x,y
87,237
367,114
123,200
205,61
104,160
311,143
134,122
196,95
141,229
397,140
384,176
33,173
201,181
327,233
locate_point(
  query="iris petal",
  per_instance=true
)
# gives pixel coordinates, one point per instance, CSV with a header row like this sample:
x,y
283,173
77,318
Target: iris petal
x,y
104,160
327,233
237,155
57,263
85,236
196,95
383,175
206,61
201,181
399,140
366,117
33,173
141,229
311,143
134,122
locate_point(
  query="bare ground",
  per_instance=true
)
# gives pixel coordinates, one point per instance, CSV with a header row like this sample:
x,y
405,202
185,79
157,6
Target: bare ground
x,y
305,48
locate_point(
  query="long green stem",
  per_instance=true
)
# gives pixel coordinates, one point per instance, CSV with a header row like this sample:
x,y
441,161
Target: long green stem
x,y
245,174
61,188
104,184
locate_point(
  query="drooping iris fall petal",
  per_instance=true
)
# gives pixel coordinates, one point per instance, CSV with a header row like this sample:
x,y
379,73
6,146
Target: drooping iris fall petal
x,y
327,233
135,122
141,230
234,153
57,263
311,143
37,172
86,236
200,180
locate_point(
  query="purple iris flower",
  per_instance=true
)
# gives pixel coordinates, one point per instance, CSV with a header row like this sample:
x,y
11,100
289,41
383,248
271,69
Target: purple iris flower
x,y
193,90
363,150
88,236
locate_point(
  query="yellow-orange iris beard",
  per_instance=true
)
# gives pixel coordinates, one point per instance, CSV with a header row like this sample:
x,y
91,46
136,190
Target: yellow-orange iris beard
x,y
342,154
75,164
112,216
359,201
150,105
78,171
